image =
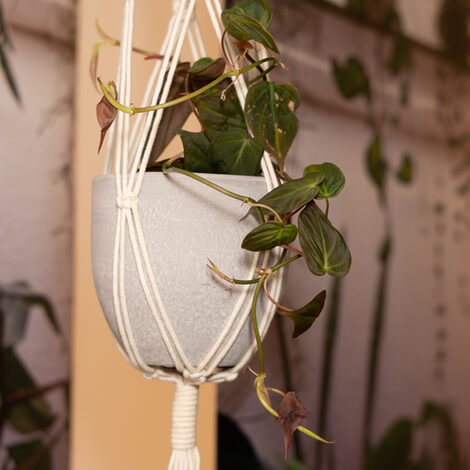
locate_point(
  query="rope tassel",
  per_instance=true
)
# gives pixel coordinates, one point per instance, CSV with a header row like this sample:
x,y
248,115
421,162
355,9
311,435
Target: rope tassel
x,y
185,455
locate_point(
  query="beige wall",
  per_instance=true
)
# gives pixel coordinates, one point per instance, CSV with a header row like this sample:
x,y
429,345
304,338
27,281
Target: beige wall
x,y
119,419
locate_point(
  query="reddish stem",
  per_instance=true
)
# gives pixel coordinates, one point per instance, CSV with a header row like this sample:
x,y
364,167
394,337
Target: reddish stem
x,y
277,304
294,250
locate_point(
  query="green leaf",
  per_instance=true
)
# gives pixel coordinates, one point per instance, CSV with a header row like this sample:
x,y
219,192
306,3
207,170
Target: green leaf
x,y
32,455
30,416
334,180
405,172
289,196
325,250
375,162
257,9
235,153
196,148
394,449
269,235
270,114
217,115
351,78
304,317
244,27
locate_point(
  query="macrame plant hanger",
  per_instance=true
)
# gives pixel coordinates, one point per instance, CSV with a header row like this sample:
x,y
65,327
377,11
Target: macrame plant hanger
x,y
127,156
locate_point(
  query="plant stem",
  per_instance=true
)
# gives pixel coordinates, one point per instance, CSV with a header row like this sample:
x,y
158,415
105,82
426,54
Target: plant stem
x,y
245,199
212,185
327,208
285,263
260,69
254,322
146,109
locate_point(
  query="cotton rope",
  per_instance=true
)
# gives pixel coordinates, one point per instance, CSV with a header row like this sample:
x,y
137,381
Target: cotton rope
x,y
128,152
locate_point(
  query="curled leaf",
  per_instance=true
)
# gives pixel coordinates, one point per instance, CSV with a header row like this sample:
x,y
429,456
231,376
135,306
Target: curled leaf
x,y
333,181
291,413
106,113
304,317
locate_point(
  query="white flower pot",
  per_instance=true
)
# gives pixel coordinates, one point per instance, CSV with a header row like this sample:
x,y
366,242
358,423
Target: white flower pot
x,y
184,223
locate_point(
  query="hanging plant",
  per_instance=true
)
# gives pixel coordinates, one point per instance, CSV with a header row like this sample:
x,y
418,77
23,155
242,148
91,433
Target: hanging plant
x,y
232,140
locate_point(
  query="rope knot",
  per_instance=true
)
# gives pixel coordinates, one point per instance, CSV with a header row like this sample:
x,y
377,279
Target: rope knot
x,y
126,200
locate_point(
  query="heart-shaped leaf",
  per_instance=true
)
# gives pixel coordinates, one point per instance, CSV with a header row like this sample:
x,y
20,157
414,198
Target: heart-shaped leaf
x,y
333,182
219,115
325,250
270,114
294,194
269,235
235,153
304,317
244,27
196,148
351,78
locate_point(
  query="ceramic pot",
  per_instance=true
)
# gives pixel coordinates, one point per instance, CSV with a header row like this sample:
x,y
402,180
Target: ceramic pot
x,y
184,223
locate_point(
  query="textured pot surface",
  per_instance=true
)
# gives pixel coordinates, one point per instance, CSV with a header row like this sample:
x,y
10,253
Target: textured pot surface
x,y
184,223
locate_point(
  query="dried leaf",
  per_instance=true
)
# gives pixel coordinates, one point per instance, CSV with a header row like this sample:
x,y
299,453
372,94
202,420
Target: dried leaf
x,y
291,413
242,45
106,114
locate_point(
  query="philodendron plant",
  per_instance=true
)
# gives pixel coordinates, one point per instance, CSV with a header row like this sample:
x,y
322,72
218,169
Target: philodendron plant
x,y
233,140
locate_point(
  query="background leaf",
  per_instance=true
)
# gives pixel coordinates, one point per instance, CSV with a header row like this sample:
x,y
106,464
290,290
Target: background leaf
x,y
32,455
394,449
351,78
304,317
235,153
376,164
33,415
405,172
325,250
333,181
270,114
